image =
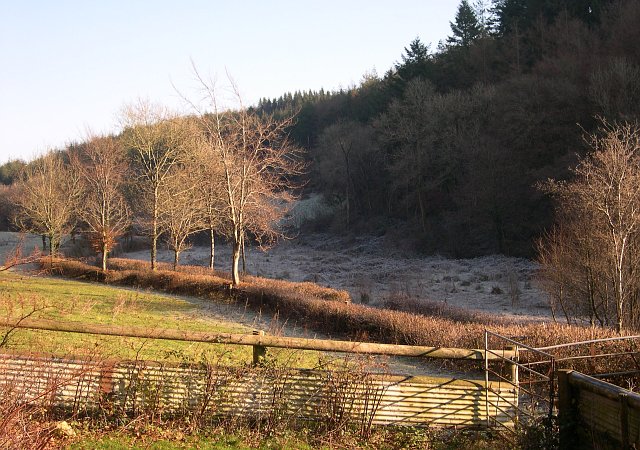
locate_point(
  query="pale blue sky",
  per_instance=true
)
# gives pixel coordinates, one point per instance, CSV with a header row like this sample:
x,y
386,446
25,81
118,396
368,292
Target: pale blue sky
x,y
66,66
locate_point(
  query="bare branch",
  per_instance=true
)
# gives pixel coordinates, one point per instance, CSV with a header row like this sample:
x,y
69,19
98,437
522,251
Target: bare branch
x,y
257,169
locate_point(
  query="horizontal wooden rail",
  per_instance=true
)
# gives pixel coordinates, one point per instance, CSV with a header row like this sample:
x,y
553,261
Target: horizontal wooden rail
x,y
602,388
593,412
262,340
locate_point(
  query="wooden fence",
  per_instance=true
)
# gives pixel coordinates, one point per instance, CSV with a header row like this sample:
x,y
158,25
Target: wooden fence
x,y
135,387
596,414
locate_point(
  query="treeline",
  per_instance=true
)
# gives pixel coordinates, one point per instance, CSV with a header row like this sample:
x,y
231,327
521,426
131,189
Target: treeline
x,y
232,173
453,140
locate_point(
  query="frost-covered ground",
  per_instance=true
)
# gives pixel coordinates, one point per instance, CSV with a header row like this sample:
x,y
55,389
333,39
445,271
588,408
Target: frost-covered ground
x,y
372,270
10,242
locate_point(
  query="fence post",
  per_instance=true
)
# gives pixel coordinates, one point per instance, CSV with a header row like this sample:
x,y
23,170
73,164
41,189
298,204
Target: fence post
x,y
486,376
567,414
514,378
513,369
624,421
259,351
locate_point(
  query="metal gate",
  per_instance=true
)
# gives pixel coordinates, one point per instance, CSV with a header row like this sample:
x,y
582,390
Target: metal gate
x,y
536,370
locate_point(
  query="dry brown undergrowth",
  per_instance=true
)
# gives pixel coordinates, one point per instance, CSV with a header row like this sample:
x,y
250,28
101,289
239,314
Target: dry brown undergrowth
x,y
330,311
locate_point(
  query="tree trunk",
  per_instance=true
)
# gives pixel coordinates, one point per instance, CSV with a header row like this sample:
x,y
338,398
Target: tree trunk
x,y
619,327
212,235
348,212
154,231
564,309
235,276
621,282
244,256
517,37
345,153
423,211
104,256
154,245
176,259
44,244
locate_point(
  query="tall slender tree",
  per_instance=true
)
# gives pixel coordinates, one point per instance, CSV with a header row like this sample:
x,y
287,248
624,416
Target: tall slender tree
x,y
103,167
604,198
157,138
208,171
259,170
182,212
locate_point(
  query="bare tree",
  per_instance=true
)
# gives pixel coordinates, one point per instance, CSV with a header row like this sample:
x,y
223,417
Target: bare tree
x,y
259,167
157,138
210,177
427,133
183,207
602,207
573,275
346,160
615,89
103,166
48,196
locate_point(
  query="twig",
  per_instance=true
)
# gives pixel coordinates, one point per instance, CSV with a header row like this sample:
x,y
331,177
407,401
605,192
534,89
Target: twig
x,y
17,324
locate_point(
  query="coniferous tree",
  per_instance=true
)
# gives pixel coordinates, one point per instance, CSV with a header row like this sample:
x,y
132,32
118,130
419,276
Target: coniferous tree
x,y
466,28
416,62
510,14
416,53
10,171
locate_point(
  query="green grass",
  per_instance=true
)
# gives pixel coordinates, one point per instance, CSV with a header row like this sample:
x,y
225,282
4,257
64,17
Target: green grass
x,y
225,442
168,438
73,301
123,442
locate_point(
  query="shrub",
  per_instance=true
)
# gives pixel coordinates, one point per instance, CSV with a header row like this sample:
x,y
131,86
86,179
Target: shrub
x,y
329,311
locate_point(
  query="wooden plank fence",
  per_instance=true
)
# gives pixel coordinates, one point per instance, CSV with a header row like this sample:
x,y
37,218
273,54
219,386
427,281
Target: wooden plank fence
x,y
135,387
596,414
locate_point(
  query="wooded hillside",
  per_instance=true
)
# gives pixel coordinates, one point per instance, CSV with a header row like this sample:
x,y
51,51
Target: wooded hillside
x,y
453,140
450,143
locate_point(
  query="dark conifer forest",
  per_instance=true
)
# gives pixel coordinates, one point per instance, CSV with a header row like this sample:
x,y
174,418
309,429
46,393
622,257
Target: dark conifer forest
x,y
452,141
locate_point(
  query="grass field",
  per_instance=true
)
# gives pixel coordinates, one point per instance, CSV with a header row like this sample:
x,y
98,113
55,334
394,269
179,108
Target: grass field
x,y
73,301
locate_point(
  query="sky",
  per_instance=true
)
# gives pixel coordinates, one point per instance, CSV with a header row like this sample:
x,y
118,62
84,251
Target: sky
x,y
67,67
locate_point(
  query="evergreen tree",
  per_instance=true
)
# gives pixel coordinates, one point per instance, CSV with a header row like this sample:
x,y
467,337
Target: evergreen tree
x,y
10,171
509,15
466,28
416,53
416,62
484,14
